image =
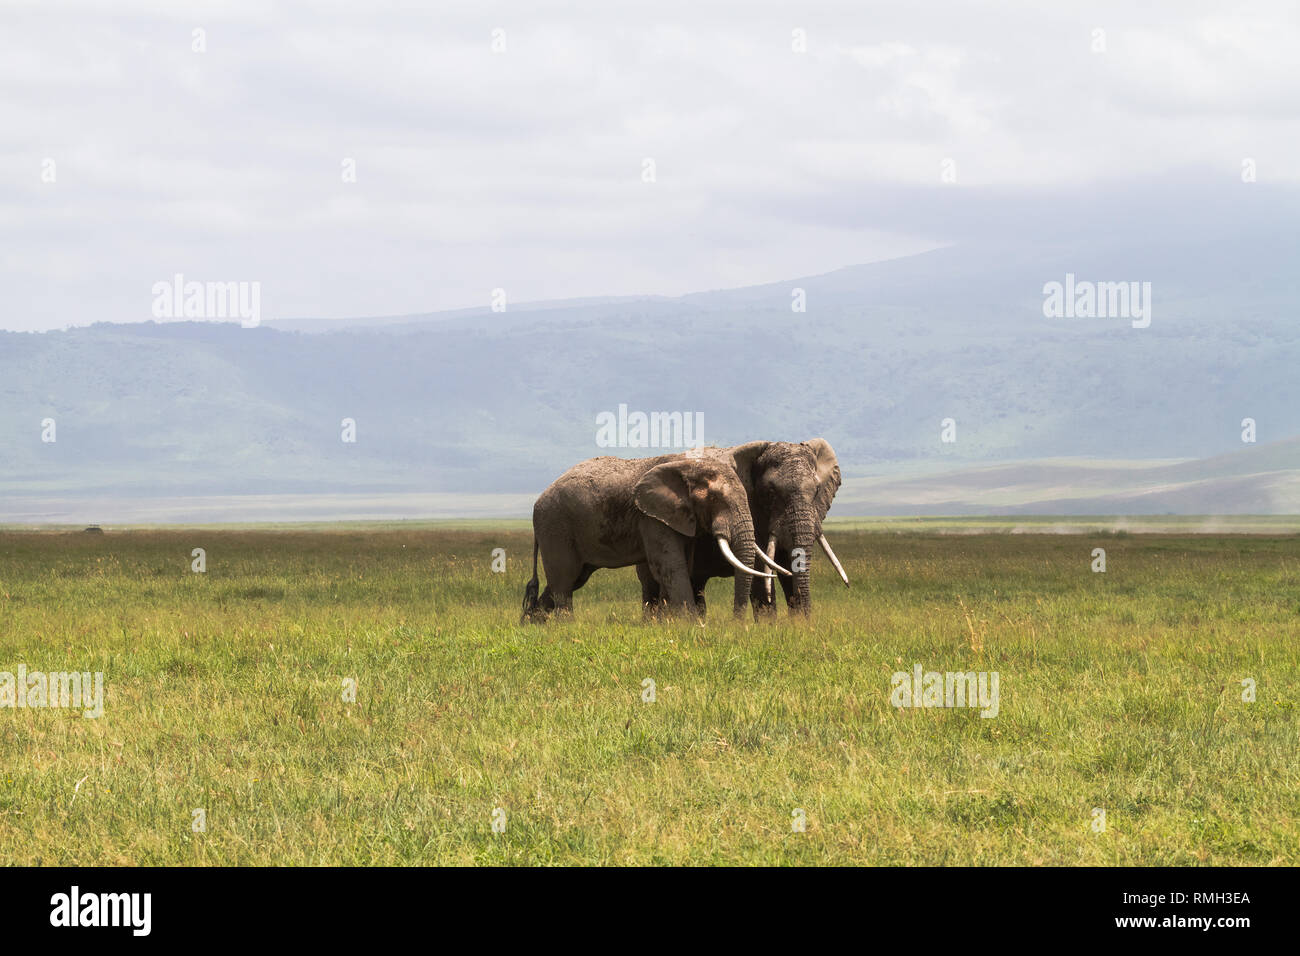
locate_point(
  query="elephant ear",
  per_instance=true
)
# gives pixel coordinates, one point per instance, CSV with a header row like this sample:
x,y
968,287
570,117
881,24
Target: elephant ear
x,y
828,475
743,458
663,493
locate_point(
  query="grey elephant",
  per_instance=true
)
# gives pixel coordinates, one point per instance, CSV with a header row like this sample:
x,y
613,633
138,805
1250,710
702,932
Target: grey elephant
x,y
789,487
613,512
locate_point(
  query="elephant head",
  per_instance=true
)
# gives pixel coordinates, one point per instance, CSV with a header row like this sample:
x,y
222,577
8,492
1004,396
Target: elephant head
x,y
790,488
697,498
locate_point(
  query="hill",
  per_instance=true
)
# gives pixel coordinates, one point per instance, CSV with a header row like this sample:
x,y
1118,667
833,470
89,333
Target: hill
x,y
482,402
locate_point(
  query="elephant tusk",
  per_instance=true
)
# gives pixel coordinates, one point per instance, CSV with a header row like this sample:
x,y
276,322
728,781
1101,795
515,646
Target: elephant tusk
x,y
726,553
763,556
826,546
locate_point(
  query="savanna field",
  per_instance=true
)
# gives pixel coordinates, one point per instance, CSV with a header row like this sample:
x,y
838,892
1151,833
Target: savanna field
x,y
224,691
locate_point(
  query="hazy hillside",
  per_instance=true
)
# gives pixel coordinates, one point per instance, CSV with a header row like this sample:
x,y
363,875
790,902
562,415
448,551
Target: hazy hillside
x,y
1258,479
483,402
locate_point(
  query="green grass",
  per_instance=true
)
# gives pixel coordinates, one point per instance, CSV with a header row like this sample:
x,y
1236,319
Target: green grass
x,y
1119,690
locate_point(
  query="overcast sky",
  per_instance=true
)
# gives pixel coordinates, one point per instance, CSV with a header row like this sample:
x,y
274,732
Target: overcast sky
x,y
523,168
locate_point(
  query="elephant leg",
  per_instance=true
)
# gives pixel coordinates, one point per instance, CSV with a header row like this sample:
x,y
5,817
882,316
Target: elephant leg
x,y
762,591
651,597
764,601
583,575
666,557
701,608
680,597
561,599
793,602
565,573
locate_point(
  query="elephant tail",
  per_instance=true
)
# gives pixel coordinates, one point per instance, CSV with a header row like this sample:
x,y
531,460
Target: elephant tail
x,y
530,590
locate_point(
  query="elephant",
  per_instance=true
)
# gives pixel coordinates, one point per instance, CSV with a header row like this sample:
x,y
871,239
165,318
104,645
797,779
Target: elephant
x,y
613,512
790,488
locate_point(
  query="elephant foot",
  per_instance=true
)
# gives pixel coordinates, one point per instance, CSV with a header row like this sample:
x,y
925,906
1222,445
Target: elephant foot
x,y
683,612
533,616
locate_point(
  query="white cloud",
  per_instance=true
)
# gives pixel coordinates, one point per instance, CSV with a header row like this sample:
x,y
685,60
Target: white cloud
x,y
475,169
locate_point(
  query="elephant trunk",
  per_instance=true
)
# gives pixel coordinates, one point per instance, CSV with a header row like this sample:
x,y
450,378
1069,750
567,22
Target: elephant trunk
x,y
804,535
742,544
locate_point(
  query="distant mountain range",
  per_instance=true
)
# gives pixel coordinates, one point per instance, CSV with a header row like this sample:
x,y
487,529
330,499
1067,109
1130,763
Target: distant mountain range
x,y
1050,415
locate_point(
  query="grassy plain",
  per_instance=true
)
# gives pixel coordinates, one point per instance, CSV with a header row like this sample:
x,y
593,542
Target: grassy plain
x,y
1121,691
